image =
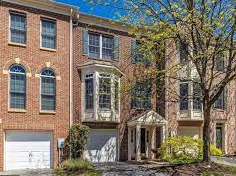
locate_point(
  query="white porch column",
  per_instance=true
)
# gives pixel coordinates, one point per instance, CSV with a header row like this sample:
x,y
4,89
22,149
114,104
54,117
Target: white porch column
x,y
153,142
163,135
129,144
138,142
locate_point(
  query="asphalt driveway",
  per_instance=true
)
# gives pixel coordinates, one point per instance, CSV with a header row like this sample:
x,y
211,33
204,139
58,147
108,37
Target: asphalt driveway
x,y
27,172
125,169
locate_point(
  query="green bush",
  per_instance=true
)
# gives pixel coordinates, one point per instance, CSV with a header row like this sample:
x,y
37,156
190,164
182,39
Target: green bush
x,y
183,150
77,165
77,140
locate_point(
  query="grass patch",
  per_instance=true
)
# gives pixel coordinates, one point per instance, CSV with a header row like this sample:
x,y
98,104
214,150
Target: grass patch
x,y
76,167
231,168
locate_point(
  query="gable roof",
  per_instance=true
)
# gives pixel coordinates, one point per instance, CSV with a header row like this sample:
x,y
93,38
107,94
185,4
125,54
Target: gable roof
x,y
147,118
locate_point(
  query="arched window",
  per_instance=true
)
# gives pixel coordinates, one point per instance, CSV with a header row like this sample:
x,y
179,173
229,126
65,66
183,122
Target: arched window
x,y
17,87
48,90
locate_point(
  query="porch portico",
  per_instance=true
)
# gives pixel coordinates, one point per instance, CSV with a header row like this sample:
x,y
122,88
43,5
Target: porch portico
x,y
142,131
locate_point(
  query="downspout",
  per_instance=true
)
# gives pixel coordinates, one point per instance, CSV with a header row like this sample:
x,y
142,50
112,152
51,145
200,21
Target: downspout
x,y
71,68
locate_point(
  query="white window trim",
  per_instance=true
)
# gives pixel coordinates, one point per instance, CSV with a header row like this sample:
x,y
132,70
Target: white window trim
x,y
9,28
40,35
96,109
40,95
100,45
9,93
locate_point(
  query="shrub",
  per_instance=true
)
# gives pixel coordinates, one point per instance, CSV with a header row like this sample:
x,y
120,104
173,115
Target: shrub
x,y
215,151
183,150
77,140
77,165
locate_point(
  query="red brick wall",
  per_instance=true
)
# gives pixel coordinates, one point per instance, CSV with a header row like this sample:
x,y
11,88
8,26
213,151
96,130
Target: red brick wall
x,y
125,65
34,59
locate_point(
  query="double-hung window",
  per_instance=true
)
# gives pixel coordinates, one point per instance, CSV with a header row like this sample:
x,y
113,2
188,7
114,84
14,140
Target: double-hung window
x,y
48,34
17,87
138,55
116,95
89,91
100,46
48,90
105,91
221,102
17,28
197,103
183,52
219,62
141,95
183,95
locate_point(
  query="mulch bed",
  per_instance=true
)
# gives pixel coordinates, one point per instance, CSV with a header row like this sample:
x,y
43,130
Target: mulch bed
x,y
195,169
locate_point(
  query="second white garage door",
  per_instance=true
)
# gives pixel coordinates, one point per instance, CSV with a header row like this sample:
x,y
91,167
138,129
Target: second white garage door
x,y
102,145
28,150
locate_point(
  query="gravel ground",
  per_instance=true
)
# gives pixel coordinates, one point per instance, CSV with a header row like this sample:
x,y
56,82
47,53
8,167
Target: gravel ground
x,y
125,169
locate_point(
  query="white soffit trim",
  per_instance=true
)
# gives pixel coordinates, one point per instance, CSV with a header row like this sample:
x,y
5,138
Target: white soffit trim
x,y
103,22
47,5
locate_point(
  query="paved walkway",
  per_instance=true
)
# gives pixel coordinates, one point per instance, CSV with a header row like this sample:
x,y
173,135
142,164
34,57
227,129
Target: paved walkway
x,y
27,172
229,161
124,168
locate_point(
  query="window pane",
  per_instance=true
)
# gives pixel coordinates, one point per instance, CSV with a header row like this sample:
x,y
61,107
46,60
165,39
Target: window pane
x,y
94,45
107,47
48,90
18,28
141,95
48,34
197,105
17,87
89,93
183,52
183,96
17,83
219,62
48,86
219,103
17,100
116,95
48,102
105,93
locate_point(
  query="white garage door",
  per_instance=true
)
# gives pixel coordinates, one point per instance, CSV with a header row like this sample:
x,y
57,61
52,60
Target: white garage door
x,y
28,150
102,146
189,131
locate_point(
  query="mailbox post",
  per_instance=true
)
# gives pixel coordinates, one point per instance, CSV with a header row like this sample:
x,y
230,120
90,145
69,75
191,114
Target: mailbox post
x,y
60,144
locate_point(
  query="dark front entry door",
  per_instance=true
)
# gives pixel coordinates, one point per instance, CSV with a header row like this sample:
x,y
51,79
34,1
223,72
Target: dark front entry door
x,y
219,137
143,140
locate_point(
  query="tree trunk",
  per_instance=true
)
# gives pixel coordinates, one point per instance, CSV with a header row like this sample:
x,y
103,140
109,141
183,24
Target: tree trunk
x,y
206,135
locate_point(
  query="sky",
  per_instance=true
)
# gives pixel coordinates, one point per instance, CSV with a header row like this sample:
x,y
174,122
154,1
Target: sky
x,y
97,10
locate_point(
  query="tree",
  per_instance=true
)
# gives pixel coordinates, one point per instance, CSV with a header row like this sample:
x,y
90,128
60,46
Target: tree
x,y
204,31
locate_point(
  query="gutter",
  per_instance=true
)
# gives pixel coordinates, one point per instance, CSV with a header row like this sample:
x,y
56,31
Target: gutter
x,y
71,68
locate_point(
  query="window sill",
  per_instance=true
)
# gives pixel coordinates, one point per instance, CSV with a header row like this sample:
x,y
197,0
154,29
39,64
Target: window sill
x,y
17,110
48,49
17,44
104,110
103,59
47,112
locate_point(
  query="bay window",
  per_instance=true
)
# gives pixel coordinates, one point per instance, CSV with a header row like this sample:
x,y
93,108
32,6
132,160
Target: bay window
x,y
104,91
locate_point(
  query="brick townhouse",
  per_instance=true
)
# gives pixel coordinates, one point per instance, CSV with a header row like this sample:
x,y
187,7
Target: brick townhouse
x,y
123,126
35,72
60,66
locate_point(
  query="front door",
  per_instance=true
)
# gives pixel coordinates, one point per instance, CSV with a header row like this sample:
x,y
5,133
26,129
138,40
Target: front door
x,y
219,137
143,141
